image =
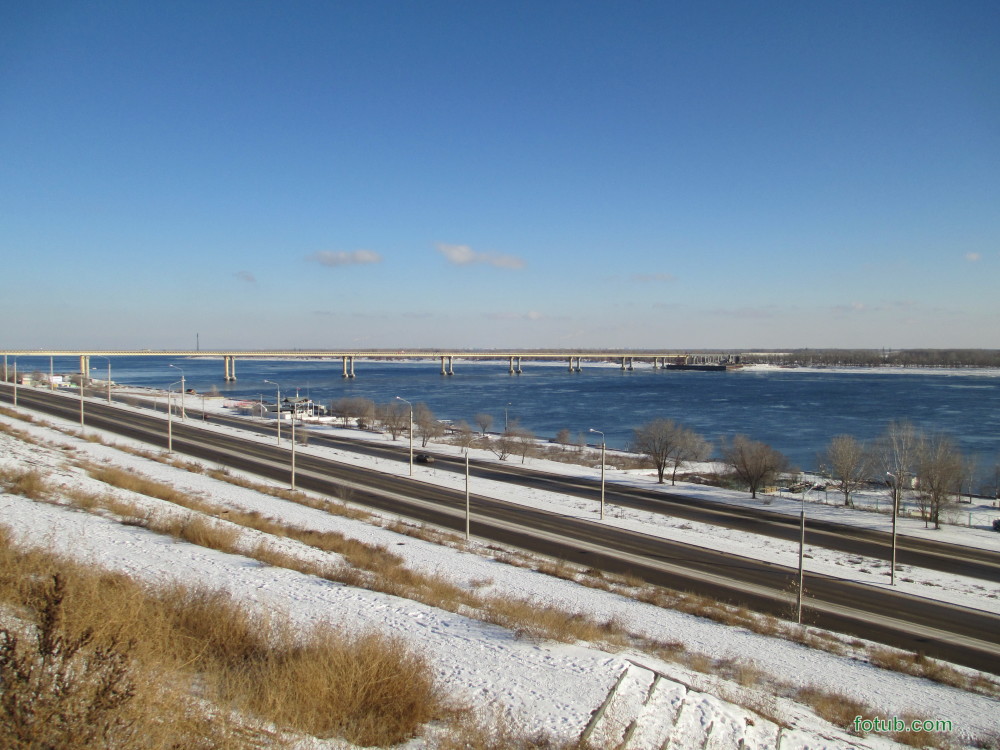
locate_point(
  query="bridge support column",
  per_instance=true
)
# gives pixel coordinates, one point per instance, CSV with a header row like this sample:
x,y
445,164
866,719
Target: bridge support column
x,y
84,368
229,365
510,368
451,365
444,370
630,364
518,370
348,367
351,372
623,364
571,364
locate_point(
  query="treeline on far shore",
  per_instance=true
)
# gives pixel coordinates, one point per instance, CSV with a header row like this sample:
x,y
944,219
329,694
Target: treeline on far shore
x,y
876,357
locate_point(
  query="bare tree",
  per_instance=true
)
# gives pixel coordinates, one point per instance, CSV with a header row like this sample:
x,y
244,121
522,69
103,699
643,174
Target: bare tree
x,y
896,455
524,442
849,463
464,436
483,421
395,418
754,463
428,427
504,445
668,444
361,410
939,469
564,438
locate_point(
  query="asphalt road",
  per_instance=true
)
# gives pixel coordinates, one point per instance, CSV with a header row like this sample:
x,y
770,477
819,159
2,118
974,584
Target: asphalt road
x,y
921,553
959,634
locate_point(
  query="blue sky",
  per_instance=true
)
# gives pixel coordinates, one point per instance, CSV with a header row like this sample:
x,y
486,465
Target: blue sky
x,y
517,174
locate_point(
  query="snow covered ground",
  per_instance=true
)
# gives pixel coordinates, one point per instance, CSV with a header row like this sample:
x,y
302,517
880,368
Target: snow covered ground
x,y
970,592
548,686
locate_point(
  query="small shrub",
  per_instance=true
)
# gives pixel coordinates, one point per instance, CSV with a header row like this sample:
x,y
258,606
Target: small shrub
x,y
28,483
60,690
837,708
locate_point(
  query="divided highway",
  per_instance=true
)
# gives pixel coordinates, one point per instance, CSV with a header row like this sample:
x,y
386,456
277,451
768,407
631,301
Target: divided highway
x,y
959,634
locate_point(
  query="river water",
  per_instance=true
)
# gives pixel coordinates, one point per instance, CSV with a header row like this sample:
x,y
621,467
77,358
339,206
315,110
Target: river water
x,y
795,411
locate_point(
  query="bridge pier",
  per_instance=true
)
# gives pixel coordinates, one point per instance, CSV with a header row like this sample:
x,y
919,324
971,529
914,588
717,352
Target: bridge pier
x,y
348,367
84,368
579,364
447,365
229,365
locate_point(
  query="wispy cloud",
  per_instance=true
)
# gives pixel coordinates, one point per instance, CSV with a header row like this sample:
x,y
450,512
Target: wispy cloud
x,y
530,315
854,307
246,276
653,277
463,255
973,257
336,258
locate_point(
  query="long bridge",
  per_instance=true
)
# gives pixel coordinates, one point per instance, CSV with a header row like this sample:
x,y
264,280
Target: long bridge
x,y
574,359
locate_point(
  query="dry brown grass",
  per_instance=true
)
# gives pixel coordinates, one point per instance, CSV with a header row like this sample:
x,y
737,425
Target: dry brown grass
x,y
920,666
29,483
837,708
495,730
533,619
369,689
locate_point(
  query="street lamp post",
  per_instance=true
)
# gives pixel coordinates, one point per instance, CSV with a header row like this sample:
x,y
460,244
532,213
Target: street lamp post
x,y
170,416
83,378
896,491
295,410
468,510
802,546
400,398
108,359
603,450
278,407
177,367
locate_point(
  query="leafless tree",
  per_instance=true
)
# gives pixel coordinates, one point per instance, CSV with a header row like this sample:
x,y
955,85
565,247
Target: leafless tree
x,y
361,410
564,438
754,463
524,442
428,427
395,418
668,445
505,444
895,455
463,434
939,469
849,463
483,421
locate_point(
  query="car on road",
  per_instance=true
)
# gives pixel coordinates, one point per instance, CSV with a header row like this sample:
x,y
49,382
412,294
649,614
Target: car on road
x,y
424,458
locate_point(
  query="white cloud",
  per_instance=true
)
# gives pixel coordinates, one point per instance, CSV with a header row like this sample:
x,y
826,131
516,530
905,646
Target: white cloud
x,y
463,255
972,257
335,258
